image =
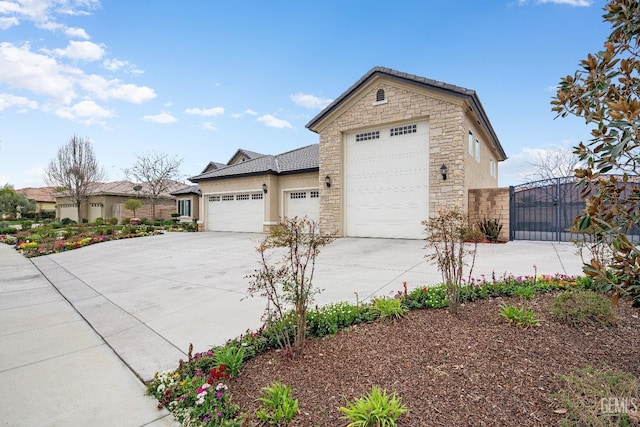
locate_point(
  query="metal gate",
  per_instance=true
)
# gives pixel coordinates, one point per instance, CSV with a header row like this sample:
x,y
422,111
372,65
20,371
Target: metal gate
x,y
546,209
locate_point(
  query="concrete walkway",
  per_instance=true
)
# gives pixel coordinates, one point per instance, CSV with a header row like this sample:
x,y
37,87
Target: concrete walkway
x,y
143,301
55,370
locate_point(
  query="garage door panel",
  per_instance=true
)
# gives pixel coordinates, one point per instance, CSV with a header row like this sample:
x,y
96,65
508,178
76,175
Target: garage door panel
x,y
243,212
302,203
387,184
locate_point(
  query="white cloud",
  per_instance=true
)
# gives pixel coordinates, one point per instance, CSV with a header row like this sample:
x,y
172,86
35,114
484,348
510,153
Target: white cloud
x,y
208,126
8,100
87,112
309,101
251,112
206,112
34,72
87,51
6,23
116,89
164,118
269,120
43,12
117,65
77,33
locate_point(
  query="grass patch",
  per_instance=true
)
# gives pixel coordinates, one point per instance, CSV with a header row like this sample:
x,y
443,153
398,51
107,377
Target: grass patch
x,y
583,307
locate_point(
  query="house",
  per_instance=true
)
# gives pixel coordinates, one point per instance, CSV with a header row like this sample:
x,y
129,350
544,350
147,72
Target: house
x,y
188,202
42,196
393,149
106,200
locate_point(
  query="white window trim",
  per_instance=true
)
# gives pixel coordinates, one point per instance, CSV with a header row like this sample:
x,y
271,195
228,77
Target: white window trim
x,y
471,144
477,150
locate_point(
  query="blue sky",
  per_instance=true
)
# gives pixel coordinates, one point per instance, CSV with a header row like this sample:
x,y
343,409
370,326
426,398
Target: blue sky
x,y
199,79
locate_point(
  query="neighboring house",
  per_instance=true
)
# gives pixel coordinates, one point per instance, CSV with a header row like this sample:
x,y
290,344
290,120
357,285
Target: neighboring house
x,y
188,203
43,196
107,199
393,149
252,192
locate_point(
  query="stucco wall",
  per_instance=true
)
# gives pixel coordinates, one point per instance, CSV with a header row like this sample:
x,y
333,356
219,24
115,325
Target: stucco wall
x,y
490,203
447,139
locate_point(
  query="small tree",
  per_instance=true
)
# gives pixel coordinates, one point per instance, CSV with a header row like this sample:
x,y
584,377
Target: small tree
x,y
287,284
159,172
13,203
548,164
75,168
605,92
448,234
133,205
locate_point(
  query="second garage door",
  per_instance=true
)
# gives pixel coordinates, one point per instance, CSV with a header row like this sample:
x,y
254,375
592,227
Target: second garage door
x,y
302,203
236,212
387,181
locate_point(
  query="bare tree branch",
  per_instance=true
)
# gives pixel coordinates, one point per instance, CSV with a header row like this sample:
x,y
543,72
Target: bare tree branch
x,y
158,171
548,164
75,168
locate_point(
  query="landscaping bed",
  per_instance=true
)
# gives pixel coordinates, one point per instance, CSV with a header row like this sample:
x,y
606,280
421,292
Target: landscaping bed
x,y
469,369
473,368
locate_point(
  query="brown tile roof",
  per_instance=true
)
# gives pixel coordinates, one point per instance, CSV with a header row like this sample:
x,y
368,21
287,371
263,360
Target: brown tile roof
x,y
125,188
39,194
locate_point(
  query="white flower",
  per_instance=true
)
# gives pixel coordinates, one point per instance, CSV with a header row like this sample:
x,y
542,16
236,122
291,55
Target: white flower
x,y
161,388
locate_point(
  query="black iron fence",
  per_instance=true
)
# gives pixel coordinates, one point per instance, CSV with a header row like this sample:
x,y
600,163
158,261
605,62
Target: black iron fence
x,y
546,209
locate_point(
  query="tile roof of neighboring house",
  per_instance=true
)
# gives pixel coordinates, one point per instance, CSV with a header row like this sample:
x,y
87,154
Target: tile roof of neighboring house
x,y
39,194
299,160
250,155
190,189
125,188
450,89
213,166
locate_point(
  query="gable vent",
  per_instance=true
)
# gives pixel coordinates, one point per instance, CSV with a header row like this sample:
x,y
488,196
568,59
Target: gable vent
x,y
380,95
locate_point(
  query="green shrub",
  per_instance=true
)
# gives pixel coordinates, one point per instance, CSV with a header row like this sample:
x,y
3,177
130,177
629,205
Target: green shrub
x,y
519,316
55,225
278,405
26,225
583,307
598,397
67,221
490,228
99,221
525,292
230,356
126,220
113,220
8,230
427,297
327,320
376,409
389,307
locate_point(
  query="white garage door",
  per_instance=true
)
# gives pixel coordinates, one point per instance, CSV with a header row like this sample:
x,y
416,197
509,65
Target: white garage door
x,y
387,181
302,203
236,212
69,211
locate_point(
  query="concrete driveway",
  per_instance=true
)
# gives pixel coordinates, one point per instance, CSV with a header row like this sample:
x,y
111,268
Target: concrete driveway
x,y
149,298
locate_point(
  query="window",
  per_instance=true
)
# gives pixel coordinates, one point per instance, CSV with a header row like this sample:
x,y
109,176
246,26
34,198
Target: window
x,y
403,130
477,150
367,136
184,207
380,95
214,198
227,198
242,197
315,194
257,196
298,195
471,143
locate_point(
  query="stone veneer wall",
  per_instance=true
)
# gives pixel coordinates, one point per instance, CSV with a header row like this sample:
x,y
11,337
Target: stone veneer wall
x,y
490,203
447,142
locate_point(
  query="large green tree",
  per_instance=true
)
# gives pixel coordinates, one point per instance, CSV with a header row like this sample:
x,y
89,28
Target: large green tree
x,y
13,203
75,168
604,91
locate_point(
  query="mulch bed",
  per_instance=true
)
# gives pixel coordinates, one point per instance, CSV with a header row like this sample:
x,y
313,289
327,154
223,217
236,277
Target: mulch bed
x,y
471,369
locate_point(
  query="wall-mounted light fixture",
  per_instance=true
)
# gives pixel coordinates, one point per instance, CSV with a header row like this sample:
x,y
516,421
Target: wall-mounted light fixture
x,y
264,188
327,181
443,171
